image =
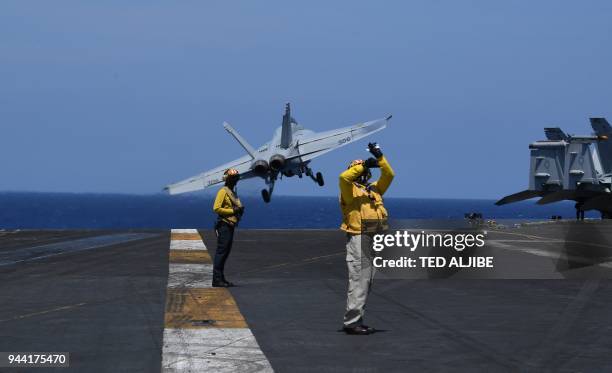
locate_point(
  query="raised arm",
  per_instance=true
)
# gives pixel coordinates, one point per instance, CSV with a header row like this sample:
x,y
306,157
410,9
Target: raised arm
x,y
346,182
386,175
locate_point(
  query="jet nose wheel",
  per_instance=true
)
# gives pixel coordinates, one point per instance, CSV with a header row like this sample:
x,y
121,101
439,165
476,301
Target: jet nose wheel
x,y
266,195
319,179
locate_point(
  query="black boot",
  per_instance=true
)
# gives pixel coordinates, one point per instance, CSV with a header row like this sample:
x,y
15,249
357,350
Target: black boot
x,y
358,330
221,284
229,283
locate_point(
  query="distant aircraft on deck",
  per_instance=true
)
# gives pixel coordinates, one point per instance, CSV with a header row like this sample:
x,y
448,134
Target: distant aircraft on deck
x,y
566,167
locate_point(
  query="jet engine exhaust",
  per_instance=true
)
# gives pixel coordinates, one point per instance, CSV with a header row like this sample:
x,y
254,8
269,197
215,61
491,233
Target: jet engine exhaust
x,y
277,162
260,167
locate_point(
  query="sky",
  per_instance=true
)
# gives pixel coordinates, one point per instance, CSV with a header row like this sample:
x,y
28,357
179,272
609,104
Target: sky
x,y
126,97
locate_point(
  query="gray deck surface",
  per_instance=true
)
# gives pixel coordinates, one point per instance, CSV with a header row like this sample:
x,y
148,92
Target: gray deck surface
x,y
105,305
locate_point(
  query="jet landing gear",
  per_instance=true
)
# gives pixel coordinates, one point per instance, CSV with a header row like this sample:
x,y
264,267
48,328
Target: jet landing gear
x,y
266,194
318,178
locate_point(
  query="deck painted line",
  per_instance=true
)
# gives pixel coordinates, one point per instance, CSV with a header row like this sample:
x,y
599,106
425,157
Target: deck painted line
x,y
204,330
186,236
27,254
212,350
189,256
190,275
186,239
178,230
187,245
603,262
183,306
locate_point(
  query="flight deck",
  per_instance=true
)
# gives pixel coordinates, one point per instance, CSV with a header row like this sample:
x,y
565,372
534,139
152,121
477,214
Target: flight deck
x,y
141,301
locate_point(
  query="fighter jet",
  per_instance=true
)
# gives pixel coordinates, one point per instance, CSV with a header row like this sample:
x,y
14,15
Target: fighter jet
x,y
288,154
566,167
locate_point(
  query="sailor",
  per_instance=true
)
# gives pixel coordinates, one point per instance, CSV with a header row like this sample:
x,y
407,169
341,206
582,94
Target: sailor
x,y
363,214
229,210
579,210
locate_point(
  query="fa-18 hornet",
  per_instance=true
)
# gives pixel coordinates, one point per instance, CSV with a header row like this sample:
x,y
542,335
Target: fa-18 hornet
x,y
566,167
288,153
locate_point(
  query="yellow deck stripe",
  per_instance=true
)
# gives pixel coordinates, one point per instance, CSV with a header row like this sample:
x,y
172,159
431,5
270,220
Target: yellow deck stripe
x,y
185,236
193,308
190,256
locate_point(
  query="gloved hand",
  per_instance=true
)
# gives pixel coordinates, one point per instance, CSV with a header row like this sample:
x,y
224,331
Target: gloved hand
x,y
374,148
371,163
239,210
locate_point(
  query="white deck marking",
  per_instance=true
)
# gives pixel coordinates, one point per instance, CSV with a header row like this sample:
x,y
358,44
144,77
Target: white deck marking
x,y
212,350
190,275
184,231
187,245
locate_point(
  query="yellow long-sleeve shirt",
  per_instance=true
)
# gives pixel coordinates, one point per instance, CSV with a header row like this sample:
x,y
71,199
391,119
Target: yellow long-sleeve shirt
x,y
358,203
224,206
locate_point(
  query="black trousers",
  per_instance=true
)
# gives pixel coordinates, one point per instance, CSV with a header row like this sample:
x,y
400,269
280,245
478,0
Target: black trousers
x,y
225,238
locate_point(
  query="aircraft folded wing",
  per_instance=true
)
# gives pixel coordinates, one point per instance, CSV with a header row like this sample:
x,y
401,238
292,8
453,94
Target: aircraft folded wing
x,y
323,142
211,177
520,196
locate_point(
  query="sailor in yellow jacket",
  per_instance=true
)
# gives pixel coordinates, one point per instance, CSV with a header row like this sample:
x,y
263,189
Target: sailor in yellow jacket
x,y
363,214
229,210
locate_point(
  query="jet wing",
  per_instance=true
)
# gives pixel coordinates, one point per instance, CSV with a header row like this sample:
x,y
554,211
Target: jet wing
x,y
323,142
602,202
212,177
520,196
569,195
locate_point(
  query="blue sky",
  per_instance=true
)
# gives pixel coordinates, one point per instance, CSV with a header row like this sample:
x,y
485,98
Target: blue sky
x,y
121,96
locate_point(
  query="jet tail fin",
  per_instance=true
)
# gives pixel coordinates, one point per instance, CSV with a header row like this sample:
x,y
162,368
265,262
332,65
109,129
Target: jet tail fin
x,y
245,145
603,130
555,133
287,130
601,126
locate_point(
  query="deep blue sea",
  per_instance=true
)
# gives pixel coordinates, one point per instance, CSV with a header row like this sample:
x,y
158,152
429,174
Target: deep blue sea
x,y
71,211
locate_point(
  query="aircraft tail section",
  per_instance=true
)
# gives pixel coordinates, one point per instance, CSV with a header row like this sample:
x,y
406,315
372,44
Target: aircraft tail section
x,y
555,133
604,146
287,130
245,145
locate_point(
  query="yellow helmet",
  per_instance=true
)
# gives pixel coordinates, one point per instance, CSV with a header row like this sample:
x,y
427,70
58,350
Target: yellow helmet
x,y
367,175
355,163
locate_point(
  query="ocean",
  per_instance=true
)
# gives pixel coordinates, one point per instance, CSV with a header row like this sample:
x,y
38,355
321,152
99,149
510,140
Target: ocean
x,y
122,211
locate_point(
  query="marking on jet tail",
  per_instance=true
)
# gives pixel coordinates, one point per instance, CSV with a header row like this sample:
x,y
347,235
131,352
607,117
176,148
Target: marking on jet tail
x,y
204,329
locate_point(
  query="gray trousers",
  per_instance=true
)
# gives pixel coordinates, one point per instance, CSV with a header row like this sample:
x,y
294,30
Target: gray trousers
x,y
360,274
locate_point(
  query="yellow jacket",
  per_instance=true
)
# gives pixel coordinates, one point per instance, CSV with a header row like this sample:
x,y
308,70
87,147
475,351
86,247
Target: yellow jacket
x,y
357,203
224,205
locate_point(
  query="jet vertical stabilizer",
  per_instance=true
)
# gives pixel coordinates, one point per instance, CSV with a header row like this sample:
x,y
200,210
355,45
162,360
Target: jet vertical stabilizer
x,y
555,133
287,130
603,130
245,145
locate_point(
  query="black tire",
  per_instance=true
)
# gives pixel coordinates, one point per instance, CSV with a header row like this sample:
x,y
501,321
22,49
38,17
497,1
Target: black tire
x,y
320,180
266,195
